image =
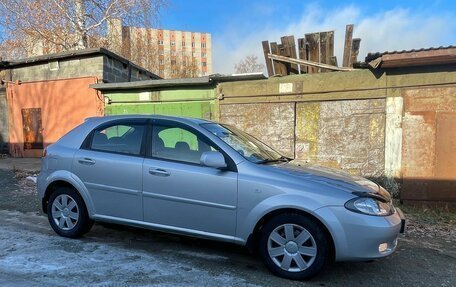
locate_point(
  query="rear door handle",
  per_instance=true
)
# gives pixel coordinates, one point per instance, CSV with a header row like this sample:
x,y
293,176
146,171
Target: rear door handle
x,y
86,161
158,171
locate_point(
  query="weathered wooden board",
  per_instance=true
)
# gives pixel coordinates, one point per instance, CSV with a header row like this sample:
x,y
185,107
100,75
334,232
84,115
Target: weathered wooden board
x,y
313,40
302,52
348,45
266,51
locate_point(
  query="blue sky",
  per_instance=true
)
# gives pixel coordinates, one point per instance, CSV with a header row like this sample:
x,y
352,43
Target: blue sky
x,y
238,27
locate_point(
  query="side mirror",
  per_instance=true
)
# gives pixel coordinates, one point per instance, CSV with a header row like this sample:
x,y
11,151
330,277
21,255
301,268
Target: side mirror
x,y
213,159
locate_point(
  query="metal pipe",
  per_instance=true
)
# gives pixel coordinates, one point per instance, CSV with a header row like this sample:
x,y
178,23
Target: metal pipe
x,y
156,101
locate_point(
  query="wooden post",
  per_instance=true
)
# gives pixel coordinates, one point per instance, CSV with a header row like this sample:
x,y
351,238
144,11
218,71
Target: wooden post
x,y
291,45
324,58
326,47
302,54
354,51
266,51
313,40
330,46
283,51
347,45
279,67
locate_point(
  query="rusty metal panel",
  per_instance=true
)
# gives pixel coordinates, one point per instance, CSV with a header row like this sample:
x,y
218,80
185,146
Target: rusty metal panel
x,y
429,144
4,135
445,147
33,131
64,104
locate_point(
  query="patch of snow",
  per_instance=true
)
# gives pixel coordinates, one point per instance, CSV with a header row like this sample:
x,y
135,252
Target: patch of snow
x,y
31,178
33,253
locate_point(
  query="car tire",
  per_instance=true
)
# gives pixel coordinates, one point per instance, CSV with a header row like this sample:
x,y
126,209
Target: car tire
x,y
67,213
294,246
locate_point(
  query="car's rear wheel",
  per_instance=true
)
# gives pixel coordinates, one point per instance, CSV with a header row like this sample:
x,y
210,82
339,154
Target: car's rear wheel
x,y
293,246
67,213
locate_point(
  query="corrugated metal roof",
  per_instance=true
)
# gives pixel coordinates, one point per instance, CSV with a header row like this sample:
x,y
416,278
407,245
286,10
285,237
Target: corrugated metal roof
x,y
200,81
373,56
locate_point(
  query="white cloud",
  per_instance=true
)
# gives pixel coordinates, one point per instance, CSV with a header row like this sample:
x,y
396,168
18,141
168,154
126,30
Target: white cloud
x,y
397,29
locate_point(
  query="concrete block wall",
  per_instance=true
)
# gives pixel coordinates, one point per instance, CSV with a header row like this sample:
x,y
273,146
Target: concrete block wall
x,y
60,69
117,71
331,119
395,126
102,66
347,134
272,123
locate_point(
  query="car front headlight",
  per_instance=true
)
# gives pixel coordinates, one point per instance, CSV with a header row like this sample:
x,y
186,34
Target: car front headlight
x,y
370,206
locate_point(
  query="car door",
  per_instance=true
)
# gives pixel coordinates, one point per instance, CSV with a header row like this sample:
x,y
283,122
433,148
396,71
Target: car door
x,y
110,166
181,193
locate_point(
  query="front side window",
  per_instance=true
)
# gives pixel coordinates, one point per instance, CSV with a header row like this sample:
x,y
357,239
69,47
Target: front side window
x,y
174,143
122,138
246,145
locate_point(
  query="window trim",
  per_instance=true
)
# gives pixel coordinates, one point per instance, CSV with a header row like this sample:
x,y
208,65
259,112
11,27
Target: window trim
x,y
87,143
230,164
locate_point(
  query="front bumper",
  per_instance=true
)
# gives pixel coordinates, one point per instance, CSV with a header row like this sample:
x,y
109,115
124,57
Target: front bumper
x,y
359,237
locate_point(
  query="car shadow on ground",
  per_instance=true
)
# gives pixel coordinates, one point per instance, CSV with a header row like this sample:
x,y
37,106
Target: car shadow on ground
x,y
218,257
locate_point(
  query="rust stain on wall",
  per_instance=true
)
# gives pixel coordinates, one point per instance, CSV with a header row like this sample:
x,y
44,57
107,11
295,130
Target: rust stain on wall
x,y
429,144
33,131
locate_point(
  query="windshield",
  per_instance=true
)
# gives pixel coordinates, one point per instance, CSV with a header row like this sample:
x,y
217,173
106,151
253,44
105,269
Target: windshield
x,y
245,144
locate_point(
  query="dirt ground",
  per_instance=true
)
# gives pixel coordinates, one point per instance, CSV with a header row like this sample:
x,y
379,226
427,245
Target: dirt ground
x,y
31,254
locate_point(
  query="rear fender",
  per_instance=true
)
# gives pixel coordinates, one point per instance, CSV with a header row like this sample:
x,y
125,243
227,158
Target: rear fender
x,y
71,178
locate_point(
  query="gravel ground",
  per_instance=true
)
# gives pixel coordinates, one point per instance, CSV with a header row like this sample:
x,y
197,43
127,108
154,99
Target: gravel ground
x,y
31,254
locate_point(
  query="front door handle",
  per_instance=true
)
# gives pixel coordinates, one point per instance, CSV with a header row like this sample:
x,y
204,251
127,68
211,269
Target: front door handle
x,y
86,161
158,171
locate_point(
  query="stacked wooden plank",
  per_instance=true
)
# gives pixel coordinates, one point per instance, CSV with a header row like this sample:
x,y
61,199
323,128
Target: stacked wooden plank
x,y
314,53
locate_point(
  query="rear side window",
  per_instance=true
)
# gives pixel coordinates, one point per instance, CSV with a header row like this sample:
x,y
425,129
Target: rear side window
x,y
121,138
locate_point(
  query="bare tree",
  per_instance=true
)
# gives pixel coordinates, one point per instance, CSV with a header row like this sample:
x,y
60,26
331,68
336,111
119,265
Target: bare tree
x,y
186,67
249,65
68,24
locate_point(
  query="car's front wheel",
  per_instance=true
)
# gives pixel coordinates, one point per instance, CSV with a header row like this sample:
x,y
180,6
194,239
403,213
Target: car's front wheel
x,y
67,213
293,246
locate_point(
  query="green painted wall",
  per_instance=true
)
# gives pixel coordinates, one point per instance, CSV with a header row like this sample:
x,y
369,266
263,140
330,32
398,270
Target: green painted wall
x,y
190,102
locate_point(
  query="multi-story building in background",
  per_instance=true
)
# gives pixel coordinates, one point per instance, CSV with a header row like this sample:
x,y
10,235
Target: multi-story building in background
x,y
168,53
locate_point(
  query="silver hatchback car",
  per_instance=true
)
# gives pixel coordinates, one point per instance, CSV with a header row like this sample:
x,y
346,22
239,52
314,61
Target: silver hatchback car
x,y
204,179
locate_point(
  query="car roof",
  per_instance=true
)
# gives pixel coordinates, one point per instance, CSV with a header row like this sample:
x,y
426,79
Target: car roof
x,y
187,120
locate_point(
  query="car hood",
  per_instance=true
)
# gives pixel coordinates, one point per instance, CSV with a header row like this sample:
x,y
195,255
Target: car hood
x,y
332,177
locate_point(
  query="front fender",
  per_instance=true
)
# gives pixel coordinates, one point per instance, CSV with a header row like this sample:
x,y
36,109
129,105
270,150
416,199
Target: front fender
x,y
270,204
76,182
